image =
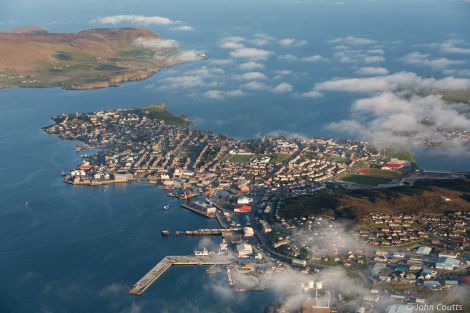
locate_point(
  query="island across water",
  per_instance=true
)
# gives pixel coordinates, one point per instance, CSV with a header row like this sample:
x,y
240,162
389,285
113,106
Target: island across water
x,y
95,58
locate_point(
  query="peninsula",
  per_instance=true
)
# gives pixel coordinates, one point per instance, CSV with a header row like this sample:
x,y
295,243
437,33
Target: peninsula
x,y
95,58
299,207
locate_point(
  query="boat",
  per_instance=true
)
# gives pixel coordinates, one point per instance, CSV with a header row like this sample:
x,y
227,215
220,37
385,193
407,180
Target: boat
x,y
165,233
201,252
203,56
166,207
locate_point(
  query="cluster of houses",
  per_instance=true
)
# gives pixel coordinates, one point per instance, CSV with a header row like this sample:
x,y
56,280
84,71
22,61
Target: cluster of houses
x,y
402,229
419,267
134,146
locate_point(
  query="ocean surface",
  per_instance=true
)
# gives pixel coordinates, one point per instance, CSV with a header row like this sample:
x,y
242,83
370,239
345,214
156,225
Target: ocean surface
x,y
78,249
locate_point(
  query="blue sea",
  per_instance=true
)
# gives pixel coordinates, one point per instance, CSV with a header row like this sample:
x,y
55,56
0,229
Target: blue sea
x,y
78,249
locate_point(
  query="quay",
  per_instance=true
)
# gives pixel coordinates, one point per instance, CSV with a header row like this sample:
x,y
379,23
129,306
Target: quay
x,y
207,232
193,209
158,270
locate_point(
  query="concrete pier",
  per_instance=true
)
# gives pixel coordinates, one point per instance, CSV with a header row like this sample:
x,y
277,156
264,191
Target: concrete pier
x,y
158,270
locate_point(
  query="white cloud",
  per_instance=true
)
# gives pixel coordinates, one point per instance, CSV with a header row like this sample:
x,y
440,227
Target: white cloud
x,y
189,55
372,71
374,59
462,73
283,72
314,58
289,42
287,57
376,51
161,47
232,42
155,43
254,85
192,79
218,94
450,46
135,19
253,76
312,94
422,59
283,88
235,93
249,66
351,40
183,28
221,61
261,39
387,118
251,53
394,82
346,55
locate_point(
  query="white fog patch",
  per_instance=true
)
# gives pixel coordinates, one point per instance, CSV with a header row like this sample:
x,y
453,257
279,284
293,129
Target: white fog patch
x,y
382,119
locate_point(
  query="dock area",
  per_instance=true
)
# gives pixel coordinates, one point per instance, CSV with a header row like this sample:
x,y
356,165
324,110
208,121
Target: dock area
x,y
195,210
158,270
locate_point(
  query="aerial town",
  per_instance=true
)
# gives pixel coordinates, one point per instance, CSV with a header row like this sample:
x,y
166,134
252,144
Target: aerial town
x,y
390,263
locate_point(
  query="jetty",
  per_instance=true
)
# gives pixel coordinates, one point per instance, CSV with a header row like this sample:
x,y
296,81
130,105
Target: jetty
x,y
158,270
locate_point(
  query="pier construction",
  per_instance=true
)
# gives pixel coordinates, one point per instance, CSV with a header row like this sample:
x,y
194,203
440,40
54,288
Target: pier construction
x,y
158,270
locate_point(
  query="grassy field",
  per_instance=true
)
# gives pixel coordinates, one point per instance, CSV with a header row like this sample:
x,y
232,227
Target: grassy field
x,y
365,180
398,153
159,112
383,173
280,157
239,158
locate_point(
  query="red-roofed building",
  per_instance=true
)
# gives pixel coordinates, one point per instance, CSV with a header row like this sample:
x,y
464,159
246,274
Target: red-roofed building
x,y
393,165
243,209
85,167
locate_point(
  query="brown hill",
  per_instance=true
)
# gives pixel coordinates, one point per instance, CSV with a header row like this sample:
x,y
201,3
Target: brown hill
x,y
33,57
427,196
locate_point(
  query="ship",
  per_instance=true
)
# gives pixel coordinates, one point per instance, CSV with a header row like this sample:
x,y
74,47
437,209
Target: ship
x,y
201,252
187,195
